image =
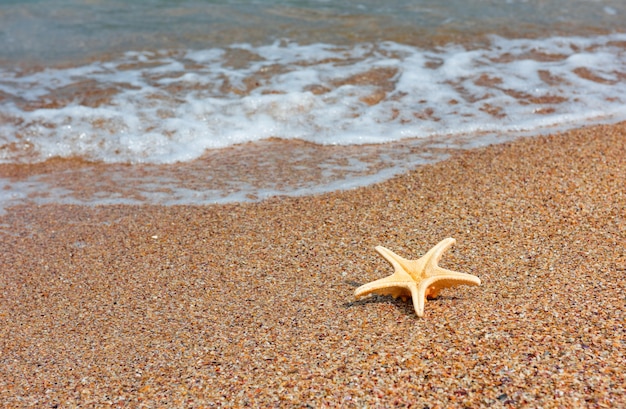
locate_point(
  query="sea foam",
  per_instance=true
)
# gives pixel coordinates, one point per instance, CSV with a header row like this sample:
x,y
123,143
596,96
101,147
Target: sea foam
x,y
166,107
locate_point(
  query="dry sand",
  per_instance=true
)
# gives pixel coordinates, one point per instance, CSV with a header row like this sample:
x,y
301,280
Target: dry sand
x,y
252,304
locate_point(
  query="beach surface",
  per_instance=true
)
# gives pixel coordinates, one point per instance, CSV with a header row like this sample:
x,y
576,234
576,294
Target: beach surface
x,y
252,303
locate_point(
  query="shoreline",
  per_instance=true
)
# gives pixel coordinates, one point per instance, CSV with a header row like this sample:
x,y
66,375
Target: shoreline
x,y
252,303
249,172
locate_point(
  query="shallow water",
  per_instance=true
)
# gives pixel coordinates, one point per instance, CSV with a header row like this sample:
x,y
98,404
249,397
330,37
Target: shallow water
x,y
54,31
188,102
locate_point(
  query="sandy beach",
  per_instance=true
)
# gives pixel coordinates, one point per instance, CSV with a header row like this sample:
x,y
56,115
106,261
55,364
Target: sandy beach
x,y
252,304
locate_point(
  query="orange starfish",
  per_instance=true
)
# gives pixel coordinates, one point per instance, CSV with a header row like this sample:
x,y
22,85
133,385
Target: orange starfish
x,y
419,279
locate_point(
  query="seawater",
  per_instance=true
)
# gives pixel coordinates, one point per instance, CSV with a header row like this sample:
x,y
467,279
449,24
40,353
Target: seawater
x,y
167,89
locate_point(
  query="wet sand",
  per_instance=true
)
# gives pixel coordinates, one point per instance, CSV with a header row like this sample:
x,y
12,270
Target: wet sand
x,y
252,304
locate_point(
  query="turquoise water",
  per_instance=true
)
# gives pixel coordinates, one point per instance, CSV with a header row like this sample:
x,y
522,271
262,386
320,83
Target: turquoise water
x,y
174,101
60,30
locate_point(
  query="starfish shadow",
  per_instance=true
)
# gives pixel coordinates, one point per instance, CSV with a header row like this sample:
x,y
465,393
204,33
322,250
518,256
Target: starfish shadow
x,y
405,306
382,299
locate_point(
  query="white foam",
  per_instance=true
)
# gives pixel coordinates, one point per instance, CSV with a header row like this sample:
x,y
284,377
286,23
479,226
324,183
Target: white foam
x,y
173,107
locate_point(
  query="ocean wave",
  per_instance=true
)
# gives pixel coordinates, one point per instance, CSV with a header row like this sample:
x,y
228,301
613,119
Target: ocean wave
x,y
173,106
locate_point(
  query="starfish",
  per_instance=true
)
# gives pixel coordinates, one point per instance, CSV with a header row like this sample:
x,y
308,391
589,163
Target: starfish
x,y
419,279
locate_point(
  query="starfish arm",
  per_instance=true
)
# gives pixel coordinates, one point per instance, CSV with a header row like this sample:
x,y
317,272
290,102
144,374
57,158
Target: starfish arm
x,y
419,299
395,285
455,278
432,285
399,263
434,255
